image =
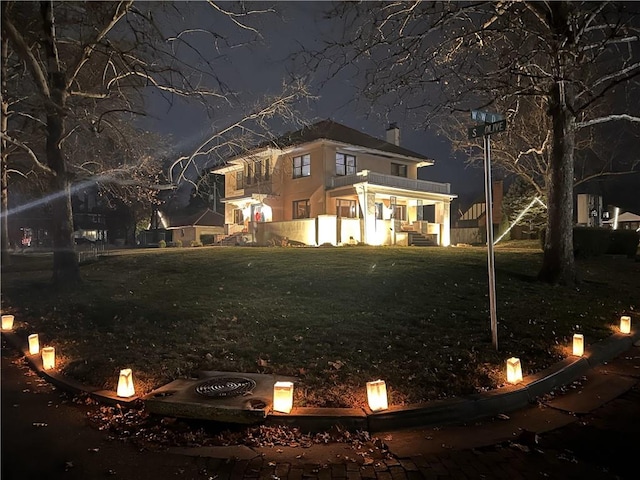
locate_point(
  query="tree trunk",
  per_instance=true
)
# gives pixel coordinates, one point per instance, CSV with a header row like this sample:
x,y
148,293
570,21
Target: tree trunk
x,y
66,271
4,185
65,261
558,264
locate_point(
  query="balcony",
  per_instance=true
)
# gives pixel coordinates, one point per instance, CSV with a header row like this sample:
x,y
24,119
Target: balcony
x,y
373,178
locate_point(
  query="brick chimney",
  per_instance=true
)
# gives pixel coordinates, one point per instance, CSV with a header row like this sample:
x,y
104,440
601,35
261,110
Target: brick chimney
x,y
393,134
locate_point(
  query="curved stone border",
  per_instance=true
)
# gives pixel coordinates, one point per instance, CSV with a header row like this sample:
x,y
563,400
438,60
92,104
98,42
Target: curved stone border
x,y
456,410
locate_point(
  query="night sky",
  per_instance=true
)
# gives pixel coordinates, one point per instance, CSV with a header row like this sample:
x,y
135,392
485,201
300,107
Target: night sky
x,y
260,68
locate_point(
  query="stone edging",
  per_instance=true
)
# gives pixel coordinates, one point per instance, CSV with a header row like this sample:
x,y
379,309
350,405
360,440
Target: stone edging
x,y
455,410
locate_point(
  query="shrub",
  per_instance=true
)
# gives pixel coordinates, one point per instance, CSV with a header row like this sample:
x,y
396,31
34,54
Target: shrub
x,y
177,243
623,242
162,244
278,241
587,241
207,239
590,242
196,243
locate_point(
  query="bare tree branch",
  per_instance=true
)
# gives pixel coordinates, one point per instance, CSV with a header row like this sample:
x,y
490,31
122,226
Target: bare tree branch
x,y
608,118
29,152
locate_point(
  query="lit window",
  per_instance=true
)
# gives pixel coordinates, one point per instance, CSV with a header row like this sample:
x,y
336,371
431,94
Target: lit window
x,y
399,170
379,210
302,166
238,217
400,212
301,209
345,164
346,208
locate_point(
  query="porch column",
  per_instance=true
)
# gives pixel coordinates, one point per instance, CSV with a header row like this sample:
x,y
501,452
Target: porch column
x,y
443,217
368,205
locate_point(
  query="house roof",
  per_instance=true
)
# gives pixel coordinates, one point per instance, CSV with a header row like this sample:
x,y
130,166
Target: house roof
x,y
628,217
330,130
203,218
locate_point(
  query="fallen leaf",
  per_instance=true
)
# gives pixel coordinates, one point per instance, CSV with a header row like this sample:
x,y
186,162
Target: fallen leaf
x,y
338,364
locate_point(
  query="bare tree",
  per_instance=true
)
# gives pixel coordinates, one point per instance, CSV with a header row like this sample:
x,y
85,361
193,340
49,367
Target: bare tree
x,y
4,177
437,60
90,65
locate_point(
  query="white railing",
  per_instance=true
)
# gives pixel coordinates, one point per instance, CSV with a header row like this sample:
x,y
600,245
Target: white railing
x,y
389,181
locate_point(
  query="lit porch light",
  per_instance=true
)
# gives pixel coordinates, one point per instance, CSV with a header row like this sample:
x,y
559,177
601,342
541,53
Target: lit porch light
x,y
283,397
7,322
125,384
377,395
48,358
625,324
34,344
578,344
514,370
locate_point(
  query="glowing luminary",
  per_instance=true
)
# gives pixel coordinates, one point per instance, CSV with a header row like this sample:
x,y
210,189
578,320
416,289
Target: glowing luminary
x,y
377,395
34,344
514,370
48,358
7,322
125,384
578,345
625,324
283,397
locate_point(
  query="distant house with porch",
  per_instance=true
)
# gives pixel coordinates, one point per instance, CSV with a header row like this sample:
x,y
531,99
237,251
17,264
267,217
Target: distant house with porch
x,y
331,184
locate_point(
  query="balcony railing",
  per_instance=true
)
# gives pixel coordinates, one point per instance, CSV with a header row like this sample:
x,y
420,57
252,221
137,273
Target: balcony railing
x,y
374,178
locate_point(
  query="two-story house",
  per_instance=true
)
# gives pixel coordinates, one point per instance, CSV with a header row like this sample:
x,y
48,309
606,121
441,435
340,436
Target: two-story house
x,y
331,184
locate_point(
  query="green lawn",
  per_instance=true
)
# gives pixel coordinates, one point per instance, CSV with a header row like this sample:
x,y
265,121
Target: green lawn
x,y
334,317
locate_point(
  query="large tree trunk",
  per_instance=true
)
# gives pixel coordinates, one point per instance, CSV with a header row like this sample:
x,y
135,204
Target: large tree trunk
x,y
66,271
558,264
65,261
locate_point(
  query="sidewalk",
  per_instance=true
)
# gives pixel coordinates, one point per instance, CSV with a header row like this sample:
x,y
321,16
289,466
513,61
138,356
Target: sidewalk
x,y
581,433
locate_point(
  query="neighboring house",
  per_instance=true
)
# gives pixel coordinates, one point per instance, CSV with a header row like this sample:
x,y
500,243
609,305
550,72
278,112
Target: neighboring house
x,y
589,211
89,216
471,226
205,227
623,221
331,184
30,227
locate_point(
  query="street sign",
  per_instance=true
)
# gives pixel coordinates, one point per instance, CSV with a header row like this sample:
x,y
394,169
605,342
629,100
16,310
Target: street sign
x,y
487,129
486,117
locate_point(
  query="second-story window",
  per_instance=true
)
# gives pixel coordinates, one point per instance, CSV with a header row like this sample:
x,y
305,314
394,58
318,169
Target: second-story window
x,y
248,177
345,164
302,166
239,180
399,170
257,171
266,167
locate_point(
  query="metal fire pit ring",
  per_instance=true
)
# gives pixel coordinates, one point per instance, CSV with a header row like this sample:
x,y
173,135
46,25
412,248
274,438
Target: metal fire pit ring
x,y
222,387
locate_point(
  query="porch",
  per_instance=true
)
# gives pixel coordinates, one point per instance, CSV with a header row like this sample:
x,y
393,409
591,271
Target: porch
x,y
338,231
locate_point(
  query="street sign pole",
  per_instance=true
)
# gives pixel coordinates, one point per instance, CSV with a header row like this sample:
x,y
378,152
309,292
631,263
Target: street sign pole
x,y
492,123
490,257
